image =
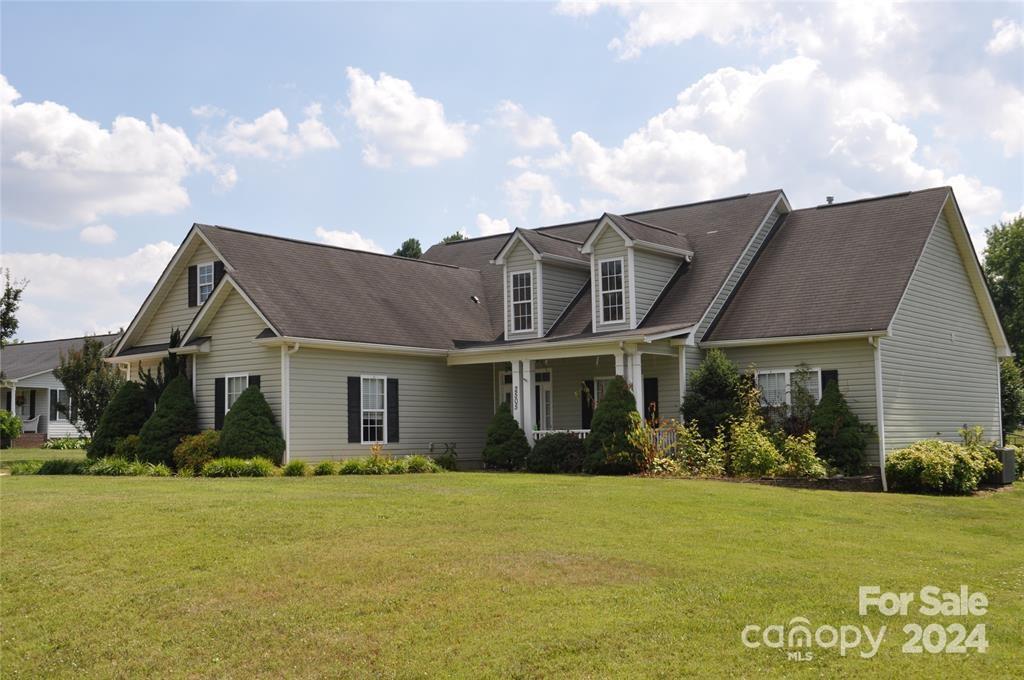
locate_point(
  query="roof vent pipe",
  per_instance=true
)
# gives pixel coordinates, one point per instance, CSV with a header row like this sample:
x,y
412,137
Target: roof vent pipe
x,y
829,199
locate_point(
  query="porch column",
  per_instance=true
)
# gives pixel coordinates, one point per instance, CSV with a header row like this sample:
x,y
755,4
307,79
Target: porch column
x,y
517,392
636,377
529,416
620,363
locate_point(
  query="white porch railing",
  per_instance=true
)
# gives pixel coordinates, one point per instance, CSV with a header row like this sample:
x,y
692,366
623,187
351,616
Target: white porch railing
x,y
579,434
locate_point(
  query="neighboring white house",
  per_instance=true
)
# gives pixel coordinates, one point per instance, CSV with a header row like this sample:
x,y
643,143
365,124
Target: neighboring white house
x,y
351,348
30,390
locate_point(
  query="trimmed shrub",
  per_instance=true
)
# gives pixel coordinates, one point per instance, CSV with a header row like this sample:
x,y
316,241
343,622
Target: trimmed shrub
x,y
239,467
841,441
325,468
937,466
63,466
714,394
10,427
124,416
447,460
418,464
249,429
799,458
296,468
506,445
556,452
352,466
129,447
610,450
197,450
174,418
751,451
26,467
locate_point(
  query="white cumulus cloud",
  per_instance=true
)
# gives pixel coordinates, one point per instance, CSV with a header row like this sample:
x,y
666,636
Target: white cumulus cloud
x,y
269,136
1007,36
528,131
400,125
489,226
99,234
208,111
61,170
532,189
347,239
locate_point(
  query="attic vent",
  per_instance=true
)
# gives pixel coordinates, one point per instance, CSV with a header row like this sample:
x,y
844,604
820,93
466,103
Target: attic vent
x,y
474,299
830,199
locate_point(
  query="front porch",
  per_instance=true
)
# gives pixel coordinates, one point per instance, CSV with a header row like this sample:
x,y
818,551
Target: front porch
x,y
36,407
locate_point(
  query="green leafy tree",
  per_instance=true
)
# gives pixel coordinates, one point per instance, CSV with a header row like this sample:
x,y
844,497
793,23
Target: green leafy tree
x,y
9,304
1011,383
451,238
715,394
249,429
90,383
169,368
610,450
175,417
410,248
841,440
124,416
1004,270
506,446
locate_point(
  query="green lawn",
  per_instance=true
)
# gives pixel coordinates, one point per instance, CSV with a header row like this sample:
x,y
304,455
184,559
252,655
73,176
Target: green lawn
x,y
476,574
8,456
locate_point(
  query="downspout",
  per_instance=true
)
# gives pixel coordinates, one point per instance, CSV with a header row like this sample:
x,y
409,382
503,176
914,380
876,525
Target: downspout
x,y
286,396
876,344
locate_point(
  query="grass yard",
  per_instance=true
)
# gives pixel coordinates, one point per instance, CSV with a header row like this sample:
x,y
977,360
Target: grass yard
x,y
476,574
8,456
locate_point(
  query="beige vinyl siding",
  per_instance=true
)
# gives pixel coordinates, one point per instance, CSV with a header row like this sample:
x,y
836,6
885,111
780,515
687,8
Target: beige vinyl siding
x,y
568,376
737,273
940,370
437,404
232,351
173,311
666,370
519,259
854,359
561,286
610,245
694,357
653,272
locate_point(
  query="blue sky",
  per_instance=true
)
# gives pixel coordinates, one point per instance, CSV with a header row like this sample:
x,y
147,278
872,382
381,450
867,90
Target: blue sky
x,y
364,124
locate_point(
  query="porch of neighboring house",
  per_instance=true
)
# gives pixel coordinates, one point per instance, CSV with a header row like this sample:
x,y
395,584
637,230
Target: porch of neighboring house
x,y
36,407
557,389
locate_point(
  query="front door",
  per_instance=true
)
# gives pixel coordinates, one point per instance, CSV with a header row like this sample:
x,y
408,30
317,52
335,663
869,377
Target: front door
x,y
544,401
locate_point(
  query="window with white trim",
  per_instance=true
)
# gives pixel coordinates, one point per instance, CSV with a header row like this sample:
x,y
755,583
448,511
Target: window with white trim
x,y
234,385
373,409
522,301
204,279
613,306
777,386
64,401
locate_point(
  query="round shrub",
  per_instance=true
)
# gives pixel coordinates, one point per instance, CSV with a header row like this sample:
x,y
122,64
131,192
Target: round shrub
x,y
840,437
249,429
421,464
556,452
352,466
197,450
124,416
609,449
174,418
506,446
325,468
939,467
296,468
752,452
129,448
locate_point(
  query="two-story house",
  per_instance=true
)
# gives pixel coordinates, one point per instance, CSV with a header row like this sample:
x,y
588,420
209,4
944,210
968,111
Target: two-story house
x,y
351,348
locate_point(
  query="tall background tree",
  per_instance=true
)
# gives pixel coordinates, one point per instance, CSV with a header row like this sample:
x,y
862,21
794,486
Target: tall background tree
x,y
1004,271
410,248
170,367
451,238
90,383
9,304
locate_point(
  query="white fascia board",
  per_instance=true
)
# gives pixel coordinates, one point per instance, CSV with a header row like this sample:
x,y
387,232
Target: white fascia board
x,y
587,246
681,253
499,259
350,346
213,303
794,339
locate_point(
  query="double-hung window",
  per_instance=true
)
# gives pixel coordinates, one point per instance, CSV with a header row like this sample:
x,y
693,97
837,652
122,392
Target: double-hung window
x,y
64,402
612,299
522,301
778,386
373,409
204,280
234,385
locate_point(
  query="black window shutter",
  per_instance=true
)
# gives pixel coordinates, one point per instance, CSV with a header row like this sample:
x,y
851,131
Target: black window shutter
x,y
218,403
10,394
254,380
354,396
392,410
827,377
53,404
193,286
536,405
650,398
587,404
218,272
32,404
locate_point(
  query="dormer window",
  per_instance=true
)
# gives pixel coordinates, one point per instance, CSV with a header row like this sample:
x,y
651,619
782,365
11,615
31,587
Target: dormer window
x,y
522,301
204,279
613,308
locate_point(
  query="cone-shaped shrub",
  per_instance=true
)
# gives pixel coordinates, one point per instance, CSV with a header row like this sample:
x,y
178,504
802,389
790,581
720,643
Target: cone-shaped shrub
x,y
840,437
714,394
174,418
249,429
506,446
124,416
609,450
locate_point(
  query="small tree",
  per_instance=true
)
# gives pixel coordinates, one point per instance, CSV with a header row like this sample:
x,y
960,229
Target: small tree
x,y
170,367
9,304
125,415
506,447
1012,394
452,238
714,395
410,248
840,436
90,383
175,417
249,429
610,450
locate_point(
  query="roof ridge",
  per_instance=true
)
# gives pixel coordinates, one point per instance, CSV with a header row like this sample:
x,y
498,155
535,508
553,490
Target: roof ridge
x,y
710,200
869,199
332,247
74,337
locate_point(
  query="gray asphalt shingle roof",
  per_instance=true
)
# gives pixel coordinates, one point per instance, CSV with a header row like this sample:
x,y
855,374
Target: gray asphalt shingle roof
x,y
30,358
